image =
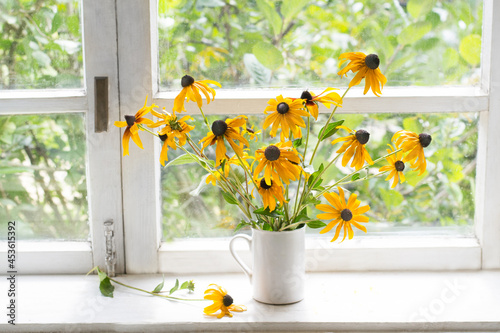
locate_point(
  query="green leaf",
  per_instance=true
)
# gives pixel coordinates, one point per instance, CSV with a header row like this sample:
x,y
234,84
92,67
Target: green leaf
x,y
174,288
160,286
414,32
290,8
201,186
391,198
240,225
162,6
268,55
266,212
316,224
188,285
56,22
260,73
297,143
356,176
418,8
201,4
181,160
271,15
330,130
267,227
230,199
312,178
470,49
41,58
105,285
412,124
450,58
189,158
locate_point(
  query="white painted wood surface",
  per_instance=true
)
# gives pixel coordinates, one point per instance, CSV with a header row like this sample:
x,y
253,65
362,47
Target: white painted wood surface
x,y
42,101
369,253
488,175
393,100
104,155
49,257
355,302
140,170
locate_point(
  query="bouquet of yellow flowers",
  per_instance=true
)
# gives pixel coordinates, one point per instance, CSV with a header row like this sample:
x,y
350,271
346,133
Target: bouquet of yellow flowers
x,y
279,183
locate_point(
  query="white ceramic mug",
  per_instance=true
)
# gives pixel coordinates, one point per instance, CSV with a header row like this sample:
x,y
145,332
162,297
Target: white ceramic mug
x,y
278,270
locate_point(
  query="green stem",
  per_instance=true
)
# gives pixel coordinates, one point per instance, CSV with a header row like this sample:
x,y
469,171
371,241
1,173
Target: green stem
x,y
306,193
364,178
327,122
155,294
146,129
356,171
205,119
294,224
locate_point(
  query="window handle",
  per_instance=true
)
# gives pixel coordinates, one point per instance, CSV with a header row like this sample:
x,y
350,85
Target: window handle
x,y
101,104
110,257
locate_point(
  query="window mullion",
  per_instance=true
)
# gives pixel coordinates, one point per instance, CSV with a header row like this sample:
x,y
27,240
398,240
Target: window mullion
x,y
103,169
488,177
141,186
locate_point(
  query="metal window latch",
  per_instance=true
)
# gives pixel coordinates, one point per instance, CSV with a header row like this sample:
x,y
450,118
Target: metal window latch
x,y
101,102
110,258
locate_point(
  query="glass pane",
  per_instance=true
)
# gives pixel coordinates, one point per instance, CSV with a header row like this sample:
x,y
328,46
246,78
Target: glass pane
x,y
262,43
42,176
442,199
40,44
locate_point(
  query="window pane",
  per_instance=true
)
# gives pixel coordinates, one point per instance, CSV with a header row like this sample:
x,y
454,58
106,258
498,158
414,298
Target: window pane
x,y
40,44
263,43
42,176
441,199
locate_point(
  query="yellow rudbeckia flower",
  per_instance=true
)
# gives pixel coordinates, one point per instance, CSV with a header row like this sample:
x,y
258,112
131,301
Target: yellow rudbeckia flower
x,y
354,145
286,114
342,214
221,301
191,90
413,145
396,167
132,130
229,131
366,66
270,193
279,161
311,100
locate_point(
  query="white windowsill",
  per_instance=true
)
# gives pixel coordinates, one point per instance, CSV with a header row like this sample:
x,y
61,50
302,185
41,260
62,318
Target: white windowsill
x,y
356,301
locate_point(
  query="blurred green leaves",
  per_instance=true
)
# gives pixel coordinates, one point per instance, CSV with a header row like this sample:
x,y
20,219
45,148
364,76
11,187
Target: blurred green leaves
x,y
296,43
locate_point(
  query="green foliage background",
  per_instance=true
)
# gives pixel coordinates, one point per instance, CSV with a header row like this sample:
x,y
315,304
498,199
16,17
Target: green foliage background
x,y
256,43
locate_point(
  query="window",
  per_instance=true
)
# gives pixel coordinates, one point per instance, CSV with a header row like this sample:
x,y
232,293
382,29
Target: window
x,y
143,50
51,176
463,95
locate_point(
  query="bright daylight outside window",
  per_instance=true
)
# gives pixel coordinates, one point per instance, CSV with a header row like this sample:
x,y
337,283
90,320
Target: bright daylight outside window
x,y
296,44
42,157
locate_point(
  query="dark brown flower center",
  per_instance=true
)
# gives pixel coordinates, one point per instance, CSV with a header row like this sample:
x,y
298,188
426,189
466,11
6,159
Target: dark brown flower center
x,y
362,136
282,108
346,215
399,165
227,300
425,139
372,61
186,81
219,127
163,137
306,95
264,185
130,120
272,153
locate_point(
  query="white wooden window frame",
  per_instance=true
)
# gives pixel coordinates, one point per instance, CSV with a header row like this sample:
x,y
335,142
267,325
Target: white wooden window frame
x,y
141,189
103,155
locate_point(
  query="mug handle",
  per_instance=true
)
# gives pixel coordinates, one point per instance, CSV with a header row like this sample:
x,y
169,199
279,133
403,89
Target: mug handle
x,y
236,257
